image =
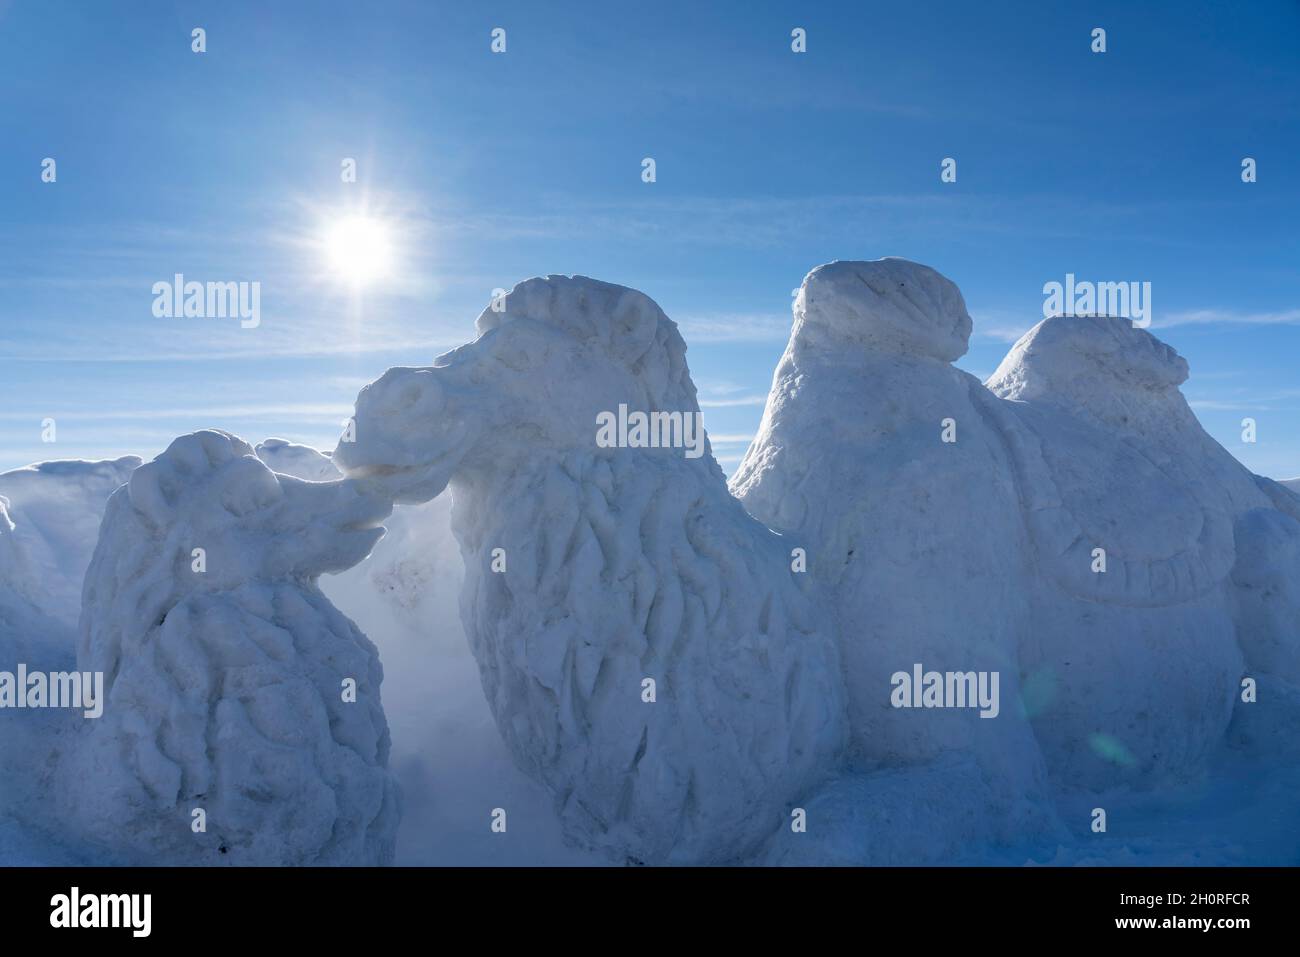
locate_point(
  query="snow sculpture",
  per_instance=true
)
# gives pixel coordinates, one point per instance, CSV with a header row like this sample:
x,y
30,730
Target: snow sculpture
x,y
1199,552
875,454
1082,527
228,673
644,644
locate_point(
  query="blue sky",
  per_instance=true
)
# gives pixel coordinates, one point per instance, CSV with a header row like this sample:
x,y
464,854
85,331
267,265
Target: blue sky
x,y
494,167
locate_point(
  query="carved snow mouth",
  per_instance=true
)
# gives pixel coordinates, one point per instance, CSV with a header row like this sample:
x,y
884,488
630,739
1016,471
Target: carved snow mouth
x,y
384,468
407,484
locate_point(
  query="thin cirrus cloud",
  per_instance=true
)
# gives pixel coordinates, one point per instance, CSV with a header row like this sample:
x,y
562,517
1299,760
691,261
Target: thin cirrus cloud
x,y
1263,402
1001,331
1280,317
733,403
735,327
303,411
285,335
731,438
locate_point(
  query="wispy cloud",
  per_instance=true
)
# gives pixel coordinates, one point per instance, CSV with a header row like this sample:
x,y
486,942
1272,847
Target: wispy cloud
x,y
735,327
199,340
738,438
1264,402
1217,405
1007,334
732,403
268,410
1280,317
998,328
1001,324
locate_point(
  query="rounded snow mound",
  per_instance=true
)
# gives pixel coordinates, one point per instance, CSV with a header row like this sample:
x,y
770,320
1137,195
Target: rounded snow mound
x,y
1072,358
891,304
231,684
626,324
300,461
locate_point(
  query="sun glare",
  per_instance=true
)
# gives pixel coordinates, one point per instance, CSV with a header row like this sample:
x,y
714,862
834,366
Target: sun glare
x,y
359,249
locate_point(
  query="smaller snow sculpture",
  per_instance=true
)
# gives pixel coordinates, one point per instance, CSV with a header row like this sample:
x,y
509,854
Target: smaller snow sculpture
x,y
233,686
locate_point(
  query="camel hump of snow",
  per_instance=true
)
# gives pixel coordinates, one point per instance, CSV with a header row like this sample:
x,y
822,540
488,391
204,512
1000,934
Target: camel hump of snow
x,y
1069,359
227,673
891,305
627,324
1110,456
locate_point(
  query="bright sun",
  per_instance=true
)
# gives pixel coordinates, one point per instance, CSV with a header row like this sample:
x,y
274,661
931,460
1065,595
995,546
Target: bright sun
x,y
358,249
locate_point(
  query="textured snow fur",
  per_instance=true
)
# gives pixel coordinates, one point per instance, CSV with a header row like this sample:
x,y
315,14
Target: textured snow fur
x,y
224,688
622,565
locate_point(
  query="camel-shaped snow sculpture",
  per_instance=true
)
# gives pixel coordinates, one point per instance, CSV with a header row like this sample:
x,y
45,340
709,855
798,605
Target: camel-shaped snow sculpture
x,y
1202,557
231,684
645,646
874,453
986,546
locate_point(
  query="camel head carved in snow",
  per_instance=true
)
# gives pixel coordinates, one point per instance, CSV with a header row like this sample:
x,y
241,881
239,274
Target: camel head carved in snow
x,y
646,648
549,358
